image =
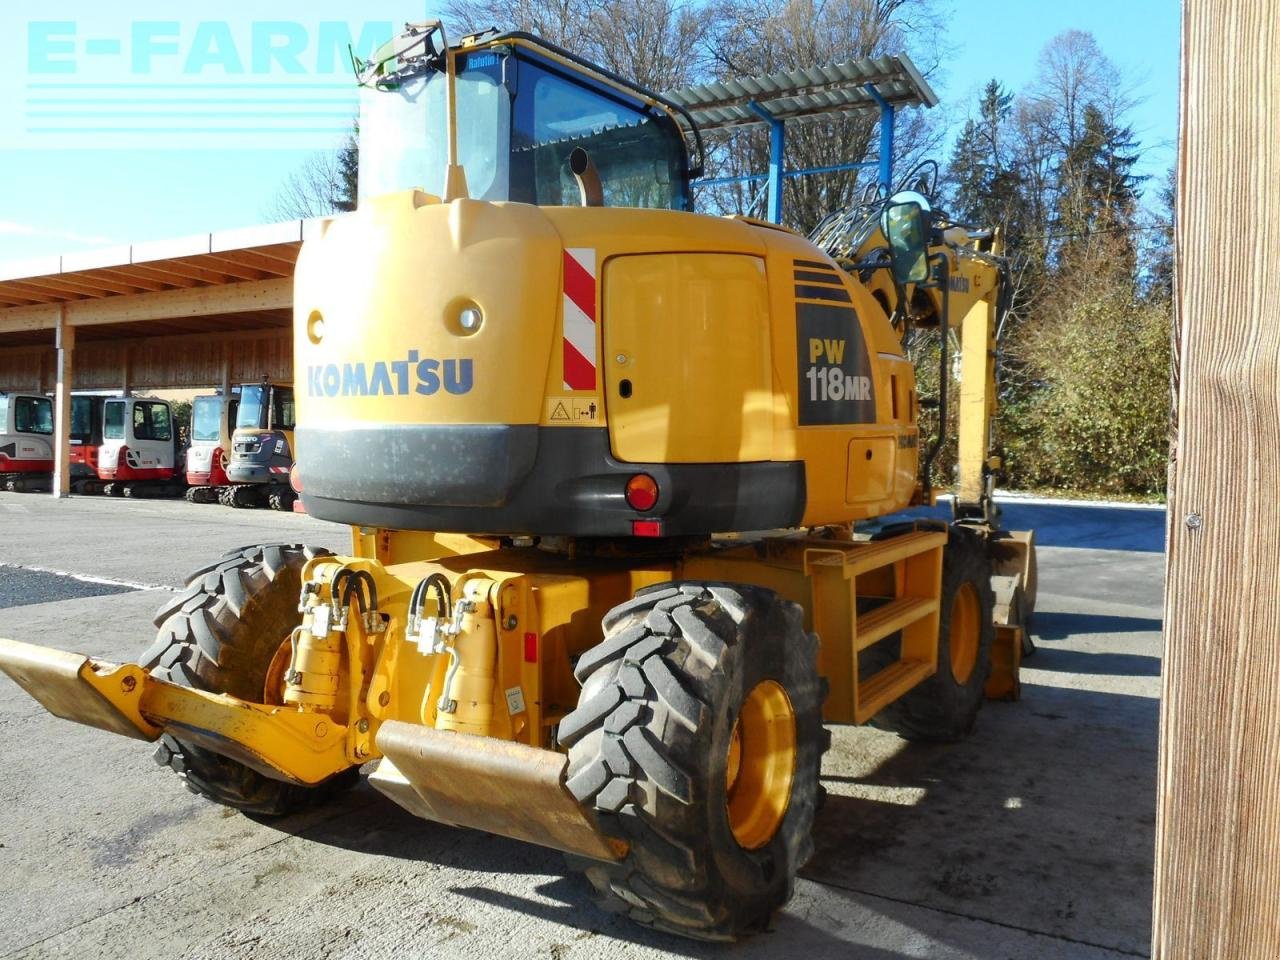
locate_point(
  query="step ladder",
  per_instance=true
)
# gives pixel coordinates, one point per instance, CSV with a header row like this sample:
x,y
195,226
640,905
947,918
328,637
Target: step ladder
x,y
905,573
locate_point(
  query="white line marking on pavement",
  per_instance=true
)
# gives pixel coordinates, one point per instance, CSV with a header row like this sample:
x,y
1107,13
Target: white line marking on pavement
x,y
85,578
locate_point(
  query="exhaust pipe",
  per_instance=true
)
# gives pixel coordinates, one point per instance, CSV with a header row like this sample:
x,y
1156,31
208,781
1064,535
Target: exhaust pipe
x,y
590,193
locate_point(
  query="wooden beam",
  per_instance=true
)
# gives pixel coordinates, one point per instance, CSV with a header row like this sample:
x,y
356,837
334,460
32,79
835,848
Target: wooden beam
x,y
274,294
30,293
9,298
174,270
139,279
77,284
225,264
173,304
1217,877
258,261
35,317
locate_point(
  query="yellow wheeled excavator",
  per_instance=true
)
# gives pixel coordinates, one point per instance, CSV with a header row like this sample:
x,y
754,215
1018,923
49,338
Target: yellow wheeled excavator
x,y
602,459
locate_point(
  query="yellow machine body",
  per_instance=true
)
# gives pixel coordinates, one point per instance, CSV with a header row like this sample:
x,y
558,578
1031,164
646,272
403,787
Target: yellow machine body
x,y
732,351
479,384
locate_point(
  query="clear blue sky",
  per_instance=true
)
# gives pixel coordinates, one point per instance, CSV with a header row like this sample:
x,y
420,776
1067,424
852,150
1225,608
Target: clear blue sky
x,y
63,200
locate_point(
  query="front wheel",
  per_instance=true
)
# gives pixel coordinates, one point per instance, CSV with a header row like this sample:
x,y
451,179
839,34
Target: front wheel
x,y
698,741
220,635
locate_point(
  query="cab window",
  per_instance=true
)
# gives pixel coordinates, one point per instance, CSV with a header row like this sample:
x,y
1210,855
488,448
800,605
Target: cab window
x,y
151,421
84,418
33,415
637,152
252,412
206,418
282,415
113,420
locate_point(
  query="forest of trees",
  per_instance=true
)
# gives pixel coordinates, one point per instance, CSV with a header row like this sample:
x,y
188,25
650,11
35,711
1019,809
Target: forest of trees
x,y
1085,347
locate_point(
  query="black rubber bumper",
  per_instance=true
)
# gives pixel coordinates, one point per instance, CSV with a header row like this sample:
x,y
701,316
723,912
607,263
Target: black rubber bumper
x,y
545,481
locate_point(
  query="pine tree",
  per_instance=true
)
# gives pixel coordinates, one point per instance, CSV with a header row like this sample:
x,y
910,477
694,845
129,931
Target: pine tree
x,y
987,187
1098,192
347,182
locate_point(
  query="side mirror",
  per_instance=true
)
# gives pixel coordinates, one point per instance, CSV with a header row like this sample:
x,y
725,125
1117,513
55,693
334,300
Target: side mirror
x,y
906,229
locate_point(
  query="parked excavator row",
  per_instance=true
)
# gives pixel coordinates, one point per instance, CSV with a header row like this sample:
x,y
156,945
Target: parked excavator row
x,y
239,451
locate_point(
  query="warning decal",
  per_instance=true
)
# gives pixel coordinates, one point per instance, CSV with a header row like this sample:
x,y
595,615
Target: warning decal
x,y
580,319
835,384
563,411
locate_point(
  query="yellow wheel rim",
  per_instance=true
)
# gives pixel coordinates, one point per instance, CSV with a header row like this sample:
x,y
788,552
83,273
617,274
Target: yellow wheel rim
x,y
964,632
761,765
273,686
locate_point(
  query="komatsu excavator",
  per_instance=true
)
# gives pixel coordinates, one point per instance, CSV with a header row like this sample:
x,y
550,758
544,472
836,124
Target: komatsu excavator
x,y
601,458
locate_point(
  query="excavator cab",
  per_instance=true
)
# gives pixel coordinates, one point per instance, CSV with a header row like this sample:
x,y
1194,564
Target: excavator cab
x,y
257,471
529,113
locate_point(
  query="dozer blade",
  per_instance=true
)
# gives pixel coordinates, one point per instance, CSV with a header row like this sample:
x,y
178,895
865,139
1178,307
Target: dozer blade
x,y
494,785
79,688
280,742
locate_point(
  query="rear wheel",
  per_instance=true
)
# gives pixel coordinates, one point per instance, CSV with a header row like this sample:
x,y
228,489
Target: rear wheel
x,y
698,740
221,635
945,707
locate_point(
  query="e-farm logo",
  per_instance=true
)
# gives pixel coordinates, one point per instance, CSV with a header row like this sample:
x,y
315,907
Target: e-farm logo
x,y
102,81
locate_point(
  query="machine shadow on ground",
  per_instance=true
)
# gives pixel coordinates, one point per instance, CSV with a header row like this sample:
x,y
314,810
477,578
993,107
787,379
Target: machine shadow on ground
x,y
1042,821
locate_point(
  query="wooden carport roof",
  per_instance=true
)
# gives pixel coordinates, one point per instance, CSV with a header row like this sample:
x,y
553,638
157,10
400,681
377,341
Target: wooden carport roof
x,y
228,281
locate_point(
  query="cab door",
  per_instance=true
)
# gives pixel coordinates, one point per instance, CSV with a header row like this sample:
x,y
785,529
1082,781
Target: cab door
x,y
151,437
688,372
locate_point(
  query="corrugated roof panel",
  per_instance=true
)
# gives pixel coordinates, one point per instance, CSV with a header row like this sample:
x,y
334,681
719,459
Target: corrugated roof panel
x,y
836,89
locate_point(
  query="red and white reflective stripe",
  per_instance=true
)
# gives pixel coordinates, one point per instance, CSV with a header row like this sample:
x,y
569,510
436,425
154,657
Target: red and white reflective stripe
x,y
580,360
280,469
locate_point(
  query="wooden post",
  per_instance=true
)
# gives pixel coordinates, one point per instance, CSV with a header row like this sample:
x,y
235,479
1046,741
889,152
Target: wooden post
x,y
225,387
66,343
1217,882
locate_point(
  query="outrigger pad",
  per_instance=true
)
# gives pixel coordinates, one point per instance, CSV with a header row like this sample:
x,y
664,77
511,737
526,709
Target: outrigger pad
x,y
76,687
505,788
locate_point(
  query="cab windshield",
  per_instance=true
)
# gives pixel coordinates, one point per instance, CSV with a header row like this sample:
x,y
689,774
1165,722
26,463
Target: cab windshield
x,y
113,420
520,116
263,407
33,415
206,418
84,418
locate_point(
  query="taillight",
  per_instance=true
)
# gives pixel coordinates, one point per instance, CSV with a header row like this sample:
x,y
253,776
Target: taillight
x,y
646,528
295,480
642,492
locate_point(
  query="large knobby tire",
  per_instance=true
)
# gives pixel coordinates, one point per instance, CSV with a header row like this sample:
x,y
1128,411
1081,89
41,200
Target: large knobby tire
x,y
219,635
945,707
649,755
